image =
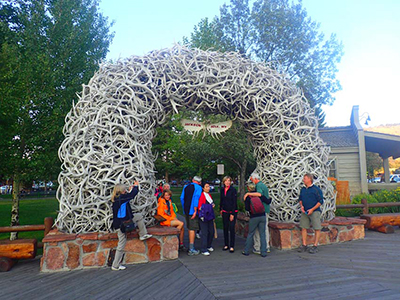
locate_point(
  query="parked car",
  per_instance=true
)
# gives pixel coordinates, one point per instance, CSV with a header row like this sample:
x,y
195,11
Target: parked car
x,y
376,180
395,178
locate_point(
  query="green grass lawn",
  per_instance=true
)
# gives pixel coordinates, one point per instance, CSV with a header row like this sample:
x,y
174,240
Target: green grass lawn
x,y
31,212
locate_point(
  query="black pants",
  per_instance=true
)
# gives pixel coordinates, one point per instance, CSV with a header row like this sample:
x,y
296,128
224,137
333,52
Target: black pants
x,y
229,229
207,234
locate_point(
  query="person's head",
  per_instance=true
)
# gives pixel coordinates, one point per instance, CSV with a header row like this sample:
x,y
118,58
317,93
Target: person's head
x,y
118,190
255,177
166,194
308,179
206,187
166,186
160,184
196,179
251,187
226,181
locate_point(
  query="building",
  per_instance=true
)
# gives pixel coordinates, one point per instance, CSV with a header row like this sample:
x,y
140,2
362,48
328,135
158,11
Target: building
x,y
348,153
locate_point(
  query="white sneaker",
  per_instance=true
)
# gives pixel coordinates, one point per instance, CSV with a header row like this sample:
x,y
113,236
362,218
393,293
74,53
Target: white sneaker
x,y
256,252
206,253
211,249
145,237
121,267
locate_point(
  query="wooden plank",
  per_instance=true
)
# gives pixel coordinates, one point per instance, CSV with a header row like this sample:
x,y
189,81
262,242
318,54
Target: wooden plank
x,y
6,264
18,249
363,269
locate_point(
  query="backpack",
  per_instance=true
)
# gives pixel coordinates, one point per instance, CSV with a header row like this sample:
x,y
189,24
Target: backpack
x,y
256,206
206,212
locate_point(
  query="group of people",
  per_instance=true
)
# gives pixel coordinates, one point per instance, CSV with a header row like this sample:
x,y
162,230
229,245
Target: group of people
x,y
198,208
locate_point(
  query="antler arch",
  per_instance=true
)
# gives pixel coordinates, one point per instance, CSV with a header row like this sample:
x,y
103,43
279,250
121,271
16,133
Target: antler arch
x,y
109,132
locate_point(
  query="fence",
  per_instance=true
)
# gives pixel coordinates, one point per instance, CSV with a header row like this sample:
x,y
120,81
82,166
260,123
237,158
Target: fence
x,y
365,205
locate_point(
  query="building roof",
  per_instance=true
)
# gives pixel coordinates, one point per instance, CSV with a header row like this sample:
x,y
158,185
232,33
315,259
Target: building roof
x,y
385,144
338,137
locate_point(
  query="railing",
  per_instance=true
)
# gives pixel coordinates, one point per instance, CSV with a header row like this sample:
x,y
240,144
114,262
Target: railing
x,y
365,205
46,227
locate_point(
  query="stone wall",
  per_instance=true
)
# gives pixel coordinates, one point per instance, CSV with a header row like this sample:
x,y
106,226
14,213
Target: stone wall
x,y
65,252
286,236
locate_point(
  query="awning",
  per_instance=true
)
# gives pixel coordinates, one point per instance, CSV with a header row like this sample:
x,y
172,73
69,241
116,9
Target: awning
x,y
385,144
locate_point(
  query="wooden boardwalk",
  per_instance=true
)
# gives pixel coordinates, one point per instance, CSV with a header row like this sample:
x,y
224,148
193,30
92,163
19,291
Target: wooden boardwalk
x,y
366,269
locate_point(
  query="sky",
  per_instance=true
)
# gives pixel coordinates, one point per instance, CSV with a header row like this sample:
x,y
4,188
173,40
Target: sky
x,y
369,71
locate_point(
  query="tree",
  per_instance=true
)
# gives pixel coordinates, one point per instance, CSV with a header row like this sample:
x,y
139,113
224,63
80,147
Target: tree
x,y
209,36
48,49
168,145
282,35
374,163
184,155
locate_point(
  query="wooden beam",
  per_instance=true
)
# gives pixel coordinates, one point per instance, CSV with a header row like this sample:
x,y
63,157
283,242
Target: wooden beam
x,y
6,264
17,249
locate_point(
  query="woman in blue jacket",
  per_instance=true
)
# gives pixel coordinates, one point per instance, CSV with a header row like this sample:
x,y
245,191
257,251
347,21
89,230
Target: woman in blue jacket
x,y
120,196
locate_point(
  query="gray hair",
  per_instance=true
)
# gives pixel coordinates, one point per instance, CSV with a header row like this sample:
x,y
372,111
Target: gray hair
x,y
310,176
251,186
255,175
165,186
197,178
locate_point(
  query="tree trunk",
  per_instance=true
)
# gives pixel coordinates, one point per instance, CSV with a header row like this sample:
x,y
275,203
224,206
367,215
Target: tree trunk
x,y
166,176
242,180
15,207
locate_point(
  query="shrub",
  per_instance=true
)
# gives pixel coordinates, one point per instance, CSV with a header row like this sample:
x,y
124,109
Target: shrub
x,y
383,196
357,200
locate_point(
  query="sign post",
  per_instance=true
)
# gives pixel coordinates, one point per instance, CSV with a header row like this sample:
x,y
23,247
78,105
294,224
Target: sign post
x,y
220,169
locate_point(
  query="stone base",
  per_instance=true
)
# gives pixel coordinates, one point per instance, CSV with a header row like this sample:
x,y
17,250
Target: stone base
x,y
65,252
286,236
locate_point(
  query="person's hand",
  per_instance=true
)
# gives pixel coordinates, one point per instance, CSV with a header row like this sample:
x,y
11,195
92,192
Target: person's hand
x,y
136,183
231,217
213,205
194,215
302,209
309,212
245,196
220,212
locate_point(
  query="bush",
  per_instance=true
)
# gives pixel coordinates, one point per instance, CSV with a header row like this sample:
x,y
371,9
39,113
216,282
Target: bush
x,y
383,196
386,196
370,199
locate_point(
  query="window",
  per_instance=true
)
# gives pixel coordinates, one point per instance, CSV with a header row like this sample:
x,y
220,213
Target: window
x,y
332,168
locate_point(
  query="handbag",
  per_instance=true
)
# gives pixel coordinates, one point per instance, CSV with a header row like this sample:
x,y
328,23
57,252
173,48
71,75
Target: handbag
x,y
159,218
129,225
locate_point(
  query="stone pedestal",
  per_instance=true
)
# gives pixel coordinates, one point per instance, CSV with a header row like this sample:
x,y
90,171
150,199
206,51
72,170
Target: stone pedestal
x,y
65,252
286,236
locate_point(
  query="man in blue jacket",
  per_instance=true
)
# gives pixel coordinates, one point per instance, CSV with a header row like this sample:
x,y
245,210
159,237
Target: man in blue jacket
x,y
190,201
310,200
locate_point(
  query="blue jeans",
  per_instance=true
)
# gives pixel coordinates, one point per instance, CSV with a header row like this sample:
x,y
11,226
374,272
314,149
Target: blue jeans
x,y
254,223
